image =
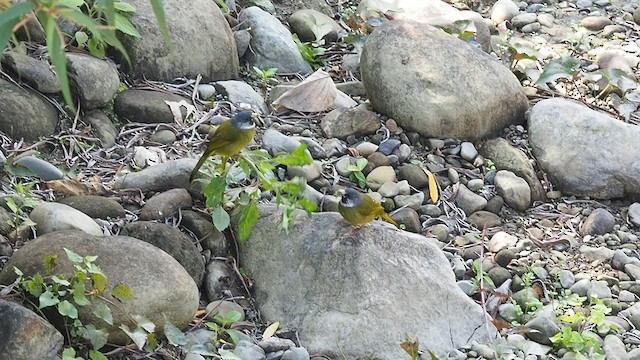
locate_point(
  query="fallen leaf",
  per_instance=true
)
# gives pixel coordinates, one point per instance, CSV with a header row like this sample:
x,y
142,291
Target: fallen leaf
x,y
270,330
433,186
175,110
316,93
93,186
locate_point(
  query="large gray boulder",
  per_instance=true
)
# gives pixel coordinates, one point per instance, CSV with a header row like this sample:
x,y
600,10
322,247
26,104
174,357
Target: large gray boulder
x,y
437,85
201,42
271,43
351,293
160,285
94,80
585,152
24,114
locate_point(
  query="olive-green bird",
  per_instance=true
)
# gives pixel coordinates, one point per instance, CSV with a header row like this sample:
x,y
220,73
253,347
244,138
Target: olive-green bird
x,y
360,209
228,139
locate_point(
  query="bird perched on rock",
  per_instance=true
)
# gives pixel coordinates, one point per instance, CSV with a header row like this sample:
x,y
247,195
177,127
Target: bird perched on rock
x,y
360,209
228,139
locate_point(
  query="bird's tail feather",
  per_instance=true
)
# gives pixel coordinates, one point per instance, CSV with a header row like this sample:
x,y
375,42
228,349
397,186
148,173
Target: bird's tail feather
x,y
388,218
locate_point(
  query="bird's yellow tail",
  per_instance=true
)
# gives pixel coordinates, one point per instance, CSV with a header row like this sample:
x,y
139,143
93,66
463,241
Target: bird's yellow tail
x,y
388,218
194,172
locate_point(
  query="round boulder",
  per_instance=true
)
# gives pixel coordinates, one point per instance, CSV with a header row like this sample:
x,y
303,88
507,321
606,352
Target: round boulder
x,y
437,85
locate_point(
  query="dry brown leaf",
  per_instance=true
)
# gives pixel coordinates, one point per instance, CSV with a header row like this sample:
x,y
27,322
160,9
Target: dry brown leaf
x,y
73,187
316,93
433,187
270,330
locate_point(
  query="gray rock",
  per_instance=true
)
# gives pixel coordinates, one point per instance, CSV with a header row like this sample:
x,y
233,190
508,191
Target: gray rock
x,y
499,275
409,218
468,150
206,91
507,157
296,353
575,167
379,176
316,150
43,169
523,19
193,51
504,257
633,271
25,114
218,277
524,297
51,217
160,285
309,172
413,201
584,4
481,218
389,189
614,348
531,28
312,25
595,23
272,44
24,335
503,10
581,287
597,253
620,259
414,175
566,278
495,204
403,152
167,175
627,296
546,324
469,201
388,146
508,312
37,73
599,222
321,263
99,207
208,236
165,204
94,80
475,184
224,308
102,127
164,137
502,240
145,106
426,53
513,189
599,289
249,351
275,142
352,88
274,344
171,241
531,348
634,214
341,123
239,92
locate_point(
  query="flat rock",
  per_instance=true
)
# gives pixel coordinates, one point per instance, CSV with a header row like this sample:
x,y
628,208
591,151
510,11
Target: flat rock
x,y
145,106
561,134
201,42
312,25
50,217
341,123
167,175
444,87
165,204
99,207
469,201
327,295
37,73
160,285
239,92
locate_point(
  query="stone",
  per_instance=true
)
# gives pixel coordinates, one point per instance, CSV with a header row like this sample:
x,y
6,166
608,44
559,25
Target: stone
x,y
469,201
366,148
167,175
503,10
295,353
634,214
633,271
409,218
426,56
595,23
43,169
272,43
308,172
102,127
502,240
468,151
25,114
218,277
499,275
316,150
475,184
94,80
614,348
51,217
546,324
481,218
274,344
599,289
160,285
24,335
597,253
201,42
379,176
146,106
312,26
275,142
495,204
99,207
171,241
164,137
514,190
341,123
576,167
369,253
246,350
599,222
566,278
239,92
165,204
414,175
523,19
620,259
389,189
224,308
413,201
580,287
508,157
37,73
504,257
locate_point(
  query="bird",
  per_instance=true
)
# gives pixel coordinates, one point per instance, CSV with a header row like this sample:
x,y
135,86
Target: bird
x,y
360,209
228,139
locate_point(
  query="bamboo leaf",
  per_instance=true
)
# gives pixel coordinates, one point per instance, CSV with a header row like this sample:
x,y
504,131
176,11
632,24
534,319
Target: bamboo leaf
x,y
248,220
55,46
162,22
124,25
433,186
9,18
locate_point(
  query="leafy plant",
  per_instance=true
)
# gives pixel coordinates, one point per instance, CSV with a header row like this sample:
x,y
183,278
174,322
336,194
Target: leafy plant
x,y
49,13
26,201
257,166
265,75
222,327
356,171
66,293
309,53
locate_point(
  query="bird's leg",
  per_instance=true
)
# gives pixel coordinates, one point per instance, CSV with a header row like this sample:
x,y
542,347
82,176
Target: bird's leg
x,y
224,162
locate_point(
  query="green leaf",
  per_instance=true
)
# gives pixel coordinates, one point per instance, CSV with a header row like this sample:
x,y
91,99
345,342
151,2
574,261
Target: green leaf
x,y
102,311
162,22
234,335
124,7
361,163
17,271
60,281
173,334
564,68
220,218
73,256
122,292
81,37
96,355
298,157
78,294
65,308
10,18
228,355
55,47
248,220
124,25
47,299
138,335
70,354
144,323
76,4
214,191
99,281
97,337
